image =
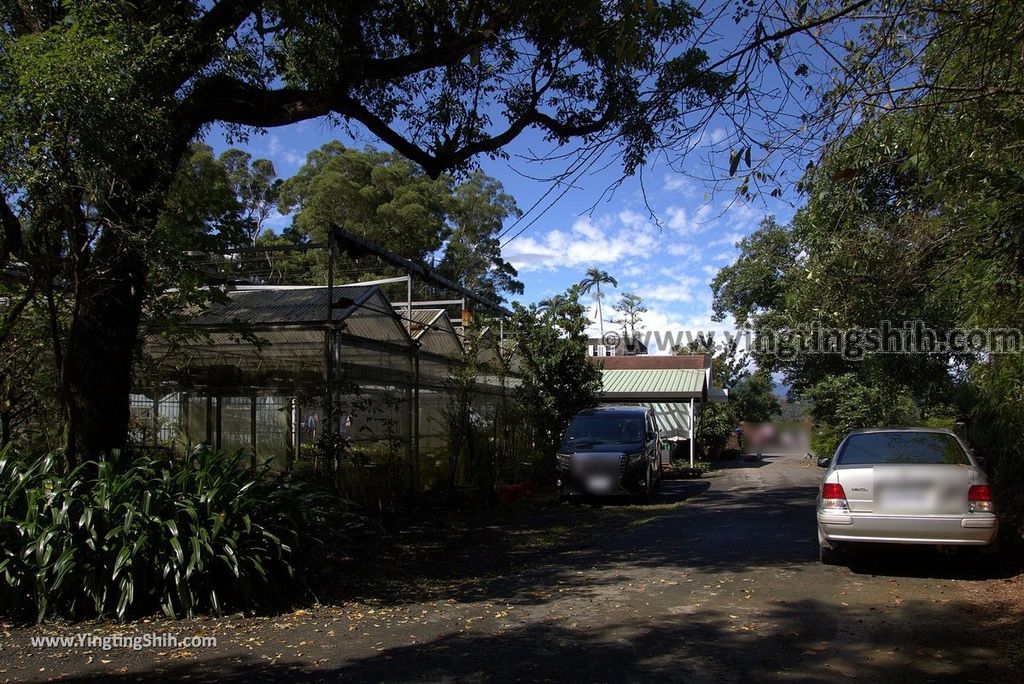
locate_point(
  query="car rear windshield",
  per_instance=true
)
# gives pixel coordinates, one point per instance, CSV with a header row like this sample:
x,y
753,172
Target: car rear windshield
x,y
878,448
605,429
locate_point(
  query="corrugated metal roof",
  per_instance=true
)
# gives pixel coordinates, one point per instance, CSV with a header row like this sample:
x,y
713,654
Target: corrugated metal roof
x,y
290,305
647,385
673,419
422,319
435,333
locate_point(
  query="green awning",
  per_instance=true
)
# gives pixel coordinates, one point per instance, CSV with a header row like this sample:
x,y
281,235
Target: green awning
x,y
674,384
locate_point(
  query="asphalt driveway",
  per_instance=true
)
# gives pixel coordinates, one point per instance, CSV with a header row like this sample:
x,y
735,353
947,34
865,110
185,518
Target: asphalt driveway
x,y
723,588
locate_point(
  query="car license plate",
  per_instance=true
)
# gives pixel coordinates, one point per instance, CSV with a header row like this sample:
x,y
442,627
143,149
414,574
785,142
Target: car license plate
x,y
599,483
903,498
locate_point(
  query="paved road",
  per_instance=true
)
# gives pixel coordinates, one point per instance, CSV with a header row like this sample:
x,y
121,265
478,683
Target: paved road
x,y
725,588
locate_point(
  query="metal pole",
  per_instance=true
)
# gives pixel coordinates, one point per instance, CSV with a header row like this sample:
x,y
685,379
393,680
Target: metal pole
x,y
408,303
329,343
692,464
252,430
416,424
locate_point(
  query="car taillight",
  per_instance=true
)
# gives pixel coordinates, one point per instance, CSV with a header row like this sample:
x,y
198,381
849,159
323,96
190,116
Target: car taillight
x,y
979,499
833,496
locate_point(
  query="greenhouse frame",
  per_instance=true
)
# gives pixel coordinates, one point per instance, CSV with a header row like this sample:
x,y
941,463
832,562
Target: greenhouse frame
x,y
268,369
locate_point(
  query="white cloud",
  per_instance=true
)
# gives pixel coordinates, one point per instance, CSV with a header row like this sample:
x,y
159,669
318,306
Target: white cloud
x,y
283,157
587,242
724,256
741,215
728,239
672,288
690,223
707,138
679,184
685,249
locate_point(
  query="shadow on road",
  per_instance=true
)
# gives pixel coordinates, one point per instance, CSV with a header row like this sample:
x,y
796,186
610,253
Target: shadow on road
x,y
928,642
667,492
965,564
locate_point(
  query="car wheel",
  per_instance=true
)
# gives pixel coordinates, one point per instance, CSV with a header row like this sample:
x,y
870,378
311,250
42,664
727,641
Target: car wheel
x,y
829,555
645,495
990,549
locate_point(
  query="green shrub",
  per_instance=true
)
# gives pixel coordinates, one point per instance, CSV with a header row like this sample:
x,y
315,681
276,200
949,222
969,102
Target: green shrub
x,y
714,426
200,534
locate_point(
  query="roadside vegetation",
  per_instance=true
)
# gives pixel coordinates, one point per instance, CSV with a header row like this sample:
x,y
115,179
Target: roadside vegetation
x,y
913,214
201,534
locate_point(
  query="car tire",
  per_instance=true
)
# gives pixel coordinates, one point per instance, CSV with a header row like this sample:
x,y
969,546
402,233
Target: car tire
x,y
990,550
647,495
830,555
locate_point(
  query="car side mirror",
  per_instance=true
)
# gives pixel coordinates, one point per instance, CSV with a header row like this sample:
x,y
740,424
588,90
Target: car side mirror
x,y
824,461
981,461
651,435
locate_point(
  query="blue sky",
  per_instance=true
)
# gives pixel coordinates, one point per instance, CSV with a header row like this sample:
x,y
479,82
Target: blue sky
x,y
670,265
668,259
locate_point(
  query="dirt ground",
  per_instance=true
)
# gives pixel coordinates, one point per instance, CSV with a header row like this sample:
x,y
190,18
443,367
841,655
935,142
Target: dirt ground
x,y
718,581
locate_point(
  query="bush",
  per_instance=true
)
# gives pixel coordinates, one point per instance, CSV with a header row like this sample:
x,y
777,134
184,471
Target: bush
x,y
201,534
714,427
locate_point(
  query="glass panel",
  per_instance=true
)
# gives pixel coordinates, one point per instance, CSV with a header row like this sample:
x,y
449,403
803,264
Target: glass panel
x,y
236,424
169,427
140,427
876,448
197,426
272,414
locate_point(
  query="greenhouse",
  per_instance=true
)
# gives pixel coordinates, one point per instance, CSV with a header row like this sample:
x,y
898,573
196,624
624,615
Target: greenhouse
x,y
268,370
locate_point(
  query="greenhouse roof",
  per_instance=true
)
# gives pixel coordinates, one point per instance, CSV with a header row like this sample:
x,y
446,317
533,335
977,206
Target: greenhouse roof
x,y
258,306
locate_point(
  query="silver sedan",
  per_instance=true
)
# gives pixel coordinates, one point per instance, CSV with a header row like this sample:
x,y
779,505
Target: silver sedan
x,y
904,486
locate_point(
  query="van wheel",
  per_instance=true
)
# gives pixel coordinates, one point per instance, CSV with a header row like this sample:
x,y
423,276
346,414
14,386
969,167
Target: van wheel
x,y
649,488
829,555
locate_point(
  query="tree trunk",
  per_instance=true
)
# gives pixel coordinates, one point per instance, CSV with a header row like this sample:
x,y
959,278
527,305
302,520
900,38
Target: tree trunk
x,y
99,356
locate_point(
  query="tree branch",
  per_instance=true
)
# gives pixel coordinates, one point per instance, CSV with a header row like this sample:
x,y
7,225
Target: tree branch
x,y
209,32
222,98
446,54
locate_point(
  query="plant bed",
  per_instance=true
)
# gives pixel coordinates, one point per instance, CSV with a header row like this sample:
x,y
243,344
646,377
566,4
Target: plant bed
x,y
683,471
137,534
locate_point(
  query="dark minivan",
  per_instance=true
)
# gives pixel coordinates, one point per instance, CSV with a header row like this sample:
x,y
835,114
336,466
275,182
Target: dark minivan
x,y
610,450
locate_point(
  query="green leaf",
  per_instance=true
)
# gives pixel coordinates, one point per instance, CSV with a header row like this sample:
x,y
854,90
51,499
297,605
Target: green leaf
x,y
122,557
178,551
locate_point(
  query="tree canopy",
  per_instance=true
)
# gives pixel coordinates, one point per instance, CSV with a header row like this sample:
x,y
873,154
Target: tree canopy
x,y
102,101
913,214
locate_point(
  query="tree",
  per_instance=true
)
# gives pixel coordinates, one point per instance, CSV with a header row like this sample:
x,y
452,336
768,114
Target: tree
x,y
594,280
390,201
379,195
103,99
256,186
558,381
842,403
631,309
550,304
472,254
753,399
728,364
